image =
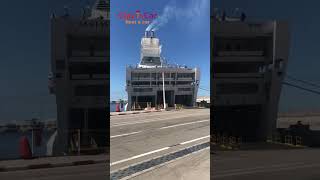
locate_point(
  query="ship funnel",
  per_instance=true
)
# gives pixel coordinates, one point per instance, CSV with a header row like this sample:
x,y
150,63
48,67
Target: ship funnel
x,y
149,34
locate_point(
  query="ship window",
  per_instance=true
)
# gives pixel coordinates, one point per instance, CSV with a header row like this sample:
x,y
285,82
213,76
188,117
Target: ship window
x,y
185,75
241,67
150,61
236,88
166,82
184,83
240,44
88,46
137,76
140,83
184,89
89,68
142,89
91,90
60,64
58,75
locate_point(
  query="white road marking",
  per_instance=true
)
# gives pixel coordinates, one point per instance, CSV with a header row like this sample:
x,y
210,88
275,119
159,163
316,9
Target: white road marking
x,y
147,121
260,167
187,142
155,151
176,125
166,127
266,169
157,114
138,156
120,135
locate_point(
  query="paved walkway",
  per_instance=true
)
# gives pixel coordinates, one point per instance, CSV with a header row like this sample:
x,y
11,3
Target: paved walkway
x,y
191,167
49,162
132,112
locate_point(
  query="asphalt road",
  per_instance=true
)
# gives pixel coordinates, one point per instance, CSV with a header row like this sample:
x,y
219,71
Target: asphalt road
x,y
139,137
84,172
301,164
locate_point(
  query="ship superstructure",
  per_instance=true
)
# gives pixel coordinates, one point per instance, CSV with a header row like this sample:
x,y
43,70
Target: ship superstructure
x,y
248,62
146,81
80,77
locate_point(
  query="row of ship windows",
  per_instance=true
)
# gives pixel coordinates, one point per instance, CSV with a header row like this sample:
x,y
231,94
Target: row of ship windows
x,y
238,44
150,89
84,67
88,53
102,90
246,67
84,76
239,88
147,83
159,75
91,90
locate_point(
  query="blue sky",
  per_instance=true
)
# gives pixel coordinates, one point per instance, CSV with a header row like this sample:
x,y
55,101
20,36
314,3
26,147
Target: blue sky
x,y
185,39
25,48
304,61
25,57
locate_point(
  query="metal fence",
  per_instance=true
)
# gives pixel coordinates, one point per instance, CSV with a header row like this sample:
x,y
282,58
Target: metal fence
x,y
287,139
148,105
43,142
88,141
225,141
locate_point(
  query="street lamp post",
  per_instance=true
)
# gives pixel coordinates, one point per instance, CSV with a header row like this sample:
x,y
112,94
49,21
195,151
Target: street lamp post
x,y
163,90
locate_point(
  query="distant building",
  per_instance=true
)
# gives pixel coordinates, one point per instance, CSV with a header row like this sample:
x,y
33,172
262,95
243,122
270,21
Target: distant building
x,y
145,81
80,76
203,101
51,125
249,64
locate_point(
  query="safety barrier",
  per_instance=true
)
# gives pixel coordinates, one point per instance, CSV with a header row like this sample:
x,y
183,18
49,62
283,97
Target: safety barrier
x,y
140,105
286,139
226,142
178,106
298,141
87,141
42,142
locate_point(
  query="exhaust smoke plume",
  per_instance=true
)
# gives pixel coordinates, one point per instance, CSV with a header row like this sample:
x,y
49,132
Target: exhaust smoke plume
x,y
194,9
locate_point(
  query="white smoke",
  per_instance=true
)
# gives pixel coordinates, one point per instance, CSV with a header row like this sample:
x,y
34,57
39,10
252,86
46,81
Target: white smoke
x,y
194,9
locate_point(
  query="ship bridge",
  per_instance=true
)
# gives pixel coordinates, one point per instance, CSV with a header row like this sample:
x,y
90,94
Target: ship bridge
x,y
150,51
